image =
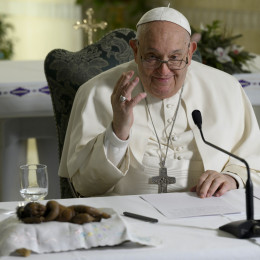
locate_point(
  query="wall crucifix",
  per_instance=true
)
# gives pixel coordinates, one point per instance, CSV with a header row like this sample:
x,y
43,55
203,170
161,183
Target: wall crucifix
x,y
89,26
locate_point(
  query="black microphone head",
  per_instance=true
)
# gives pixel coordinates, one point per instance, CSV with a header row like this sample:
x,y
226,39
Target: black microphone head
x,y
196,116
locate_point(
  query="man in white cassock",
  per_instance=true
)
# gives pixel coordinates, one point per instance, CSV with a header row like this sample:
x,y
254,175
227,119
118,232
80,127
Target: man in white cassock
x,y
131,129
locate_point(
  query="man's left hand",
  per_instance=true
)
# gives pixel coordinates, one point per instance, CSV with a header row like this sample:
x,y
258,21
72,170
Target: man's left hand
x,y
212,183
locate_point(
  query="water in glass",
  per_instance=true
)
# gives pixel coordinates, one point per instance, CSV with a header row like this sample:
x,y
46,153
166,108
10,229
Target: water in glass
x,y
34,181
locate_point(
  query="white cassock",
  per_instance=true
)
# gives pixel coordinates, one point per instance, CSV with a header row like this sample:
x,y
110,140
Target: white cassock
x,y
228,121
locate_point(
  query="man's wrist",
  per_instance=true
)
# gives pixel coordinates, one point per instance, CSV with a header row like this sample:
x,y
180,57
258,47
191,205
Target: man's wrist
x,y
122,135
238,180
115,148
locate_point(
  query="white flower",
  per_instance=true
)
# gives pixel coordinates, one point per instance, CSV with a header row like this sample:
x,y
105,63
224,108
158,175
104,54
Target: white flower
x,y
203,28
236,49
222,54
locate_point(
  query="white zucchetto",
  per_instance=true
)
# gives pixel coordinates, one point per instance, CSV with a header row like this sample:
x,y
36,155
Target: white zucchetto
x,y
165,14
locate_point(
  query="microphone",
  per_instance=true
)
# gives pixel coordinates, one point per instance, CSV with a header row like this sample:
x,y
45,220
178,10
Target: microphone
x,y
244,228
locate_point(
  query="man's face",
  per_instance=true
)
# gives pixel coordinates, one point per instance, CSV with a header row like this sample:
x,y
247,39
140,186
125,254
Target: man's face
x,y
164,41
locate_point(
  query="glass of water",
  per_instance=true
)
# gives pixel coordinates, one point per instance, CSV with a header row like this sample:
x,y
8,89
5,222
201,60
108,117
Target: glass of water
x,y
34,182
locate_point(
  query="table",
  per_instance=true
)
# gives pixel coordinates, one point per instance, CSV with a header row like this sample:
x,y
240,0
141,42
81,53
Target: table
x,y
251,84
25,112
183,238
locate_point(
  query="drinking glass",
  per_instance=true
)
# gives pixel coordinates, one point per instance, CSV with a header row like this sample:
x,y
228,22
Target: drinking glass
x,y
34,182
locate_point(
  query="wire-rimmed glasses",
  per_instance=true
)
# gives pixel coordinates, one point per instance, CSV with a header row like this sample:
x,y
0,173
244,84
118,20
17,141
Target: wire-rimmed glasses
x,y
155,63
152,62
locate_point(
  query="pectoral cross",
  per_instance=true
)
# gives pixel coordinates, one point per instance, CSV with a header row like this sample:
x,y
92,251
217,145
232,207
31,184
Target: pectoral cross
x,y
162,180
89,26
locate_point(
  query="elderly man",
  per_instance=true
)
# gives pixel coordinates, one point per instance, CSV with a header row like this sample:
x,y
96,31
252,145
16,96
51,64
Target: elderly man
x,y
146,141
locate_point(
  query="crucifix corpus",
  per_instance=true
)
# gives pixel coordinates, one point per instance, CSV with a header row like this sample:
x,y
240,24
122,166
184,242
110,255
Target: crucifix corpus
x,y
88,26
162,180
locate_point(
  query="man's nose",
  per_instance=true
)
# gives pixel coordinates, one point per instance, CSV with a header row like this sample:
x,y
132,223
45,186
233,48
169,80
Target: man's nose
x,y
163,68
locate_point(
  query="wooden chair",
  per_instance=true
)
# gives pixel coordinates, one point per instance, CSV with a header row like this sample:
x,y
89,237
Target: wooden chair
x,y
66,71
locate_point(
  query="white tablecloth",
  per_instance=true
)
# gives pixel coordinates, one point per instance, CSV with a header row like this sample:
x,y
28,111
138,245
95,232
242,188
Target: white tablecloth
x,y
251,84
25,112
183,238
23,90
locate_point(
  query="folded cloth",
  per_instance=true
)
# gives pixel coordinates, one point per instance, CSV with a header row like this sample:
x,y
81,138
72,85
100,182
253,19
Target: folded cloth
x,y
54,236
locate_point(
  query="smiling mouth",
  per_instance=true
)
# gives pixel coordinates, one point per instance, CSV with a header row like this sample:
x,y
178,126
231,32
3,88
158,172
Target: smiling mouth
x,y
162,79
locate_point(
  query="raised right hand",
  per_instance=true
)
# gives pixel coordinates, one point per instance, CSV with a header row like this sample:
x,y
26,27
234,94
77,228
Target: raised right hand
x,y
123,117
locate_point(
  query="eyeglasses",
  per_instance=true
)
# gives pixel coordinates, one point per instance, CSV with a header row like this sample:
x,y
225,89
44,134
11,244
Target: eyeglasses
x,y
155,63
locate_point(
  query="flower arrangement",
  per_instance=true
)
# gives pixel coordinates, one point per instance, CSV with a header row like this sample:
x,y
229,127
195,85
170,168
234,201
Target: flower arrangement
x,y
219,50
6,44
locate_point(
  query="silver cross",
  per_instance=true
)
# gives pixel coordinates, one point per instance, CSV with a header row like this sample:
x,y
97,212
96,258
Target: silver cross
x,y
162,180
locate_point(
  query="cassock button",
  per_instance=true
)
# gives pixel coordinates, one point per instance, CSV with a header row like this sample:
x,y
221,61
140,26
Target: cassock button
x,y
175,138
179,157
169,120
169,105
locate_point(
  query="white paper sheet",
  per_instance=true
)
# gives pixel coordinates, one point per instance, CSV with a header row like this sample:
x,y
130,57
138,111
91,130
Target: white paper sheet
x,y
181,205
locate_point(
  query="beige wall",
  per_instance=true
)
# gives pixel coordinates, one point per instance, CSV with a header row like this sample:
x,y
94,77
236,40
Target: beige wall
x,y
42,25
240,16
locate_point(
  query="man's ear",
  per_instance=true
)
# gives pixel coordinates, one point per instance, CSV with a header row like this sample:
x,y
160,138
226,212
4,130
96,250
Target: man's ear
x,y
133,45
192,49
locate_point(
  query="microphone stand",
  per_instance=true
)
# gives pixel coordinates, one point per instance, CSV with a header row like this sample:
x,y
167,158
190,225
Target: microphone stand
x,y
243,228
